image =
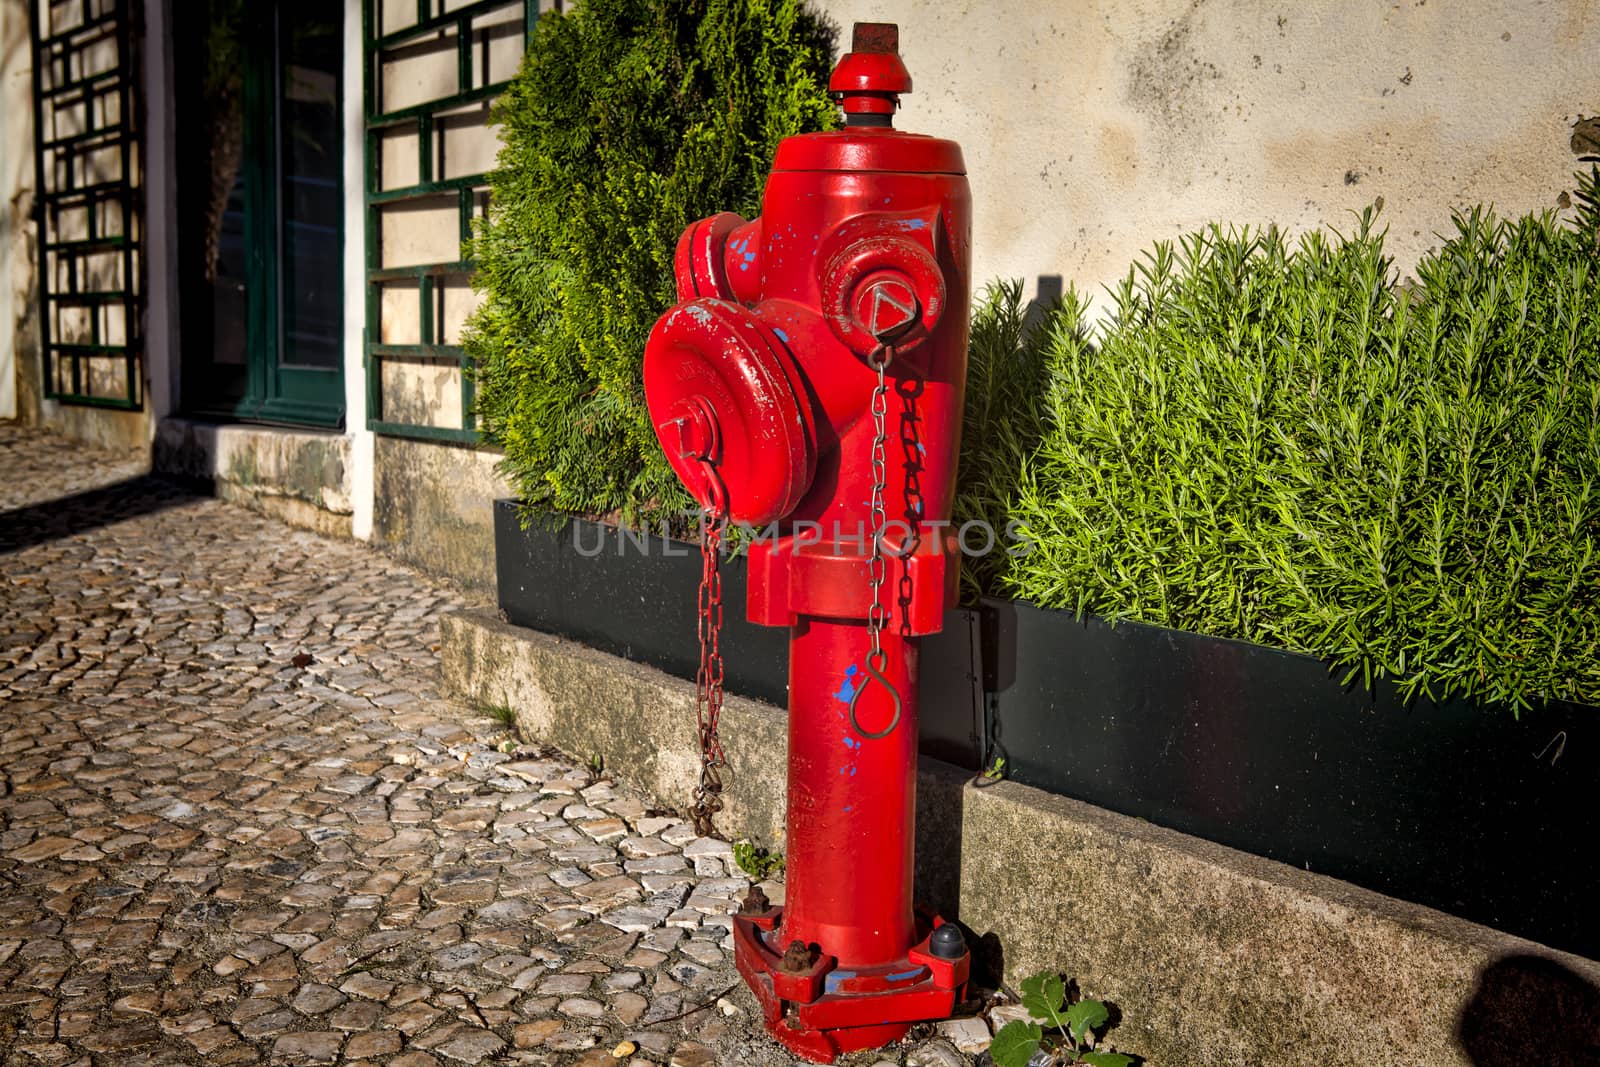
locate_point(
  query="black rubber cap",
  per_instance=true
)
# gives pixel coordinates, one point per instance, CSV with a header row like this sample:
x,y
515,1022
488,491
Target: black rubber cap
x,y
947,943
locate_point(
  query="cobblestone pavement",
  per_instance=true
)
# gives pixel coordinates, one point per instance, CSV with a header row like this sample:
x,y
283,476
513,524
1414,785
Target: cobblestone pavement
x,y
239,823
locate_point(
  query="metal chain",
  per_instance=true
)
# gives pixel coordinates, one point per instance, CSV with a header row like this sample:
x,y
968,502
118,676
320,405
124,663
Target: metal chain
x,y
878,612
708,682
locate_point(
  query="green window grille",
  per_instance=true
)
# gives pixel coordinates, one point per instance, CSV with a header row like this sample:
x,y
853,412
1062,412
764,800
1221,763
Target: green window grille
x,y
429,77
85,109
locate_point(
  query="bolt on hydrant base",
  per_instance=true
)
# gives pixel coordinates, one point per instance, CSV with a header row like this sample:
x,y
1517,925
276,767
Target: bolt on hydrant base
x,y
810,383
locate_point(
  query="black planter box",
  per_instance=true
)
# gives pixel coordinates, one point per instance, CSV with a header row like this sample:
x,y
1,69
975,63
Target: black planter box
x,y
1467,809
633,594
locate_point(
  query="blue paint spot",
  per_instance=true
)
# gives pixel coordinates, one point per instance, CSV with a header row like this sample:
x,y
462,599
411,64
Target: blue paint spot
x,y
850,742
847,688
834,979
922,448
852,772
903,975
886,200
913,224
847,807
785,339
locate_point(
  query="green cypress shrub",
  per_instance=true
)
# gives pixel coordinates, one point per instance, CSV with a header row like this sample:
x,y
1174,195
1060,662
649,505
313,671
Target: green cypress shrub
x,y
1282,443
628,120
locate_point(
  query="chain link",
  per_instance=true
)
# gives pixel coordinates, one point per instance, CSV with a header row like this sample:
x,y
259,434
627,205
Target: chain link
x,y
877,568
878,614
708,681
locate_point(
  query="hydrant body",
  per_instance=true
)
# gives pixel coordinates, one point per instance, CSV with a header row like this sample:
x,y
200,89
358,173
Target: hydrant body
x,y
809,386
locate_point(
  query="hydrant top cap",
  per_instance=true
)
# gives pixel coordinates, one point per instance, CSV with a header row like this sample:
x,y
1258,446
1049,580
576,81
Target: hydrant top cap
x,y
871,76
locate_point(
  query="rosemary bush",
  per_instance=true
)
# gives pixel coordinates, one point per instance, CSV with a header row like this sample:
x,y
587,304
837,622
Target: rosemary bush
x,y
628,120
1003,421
1284,444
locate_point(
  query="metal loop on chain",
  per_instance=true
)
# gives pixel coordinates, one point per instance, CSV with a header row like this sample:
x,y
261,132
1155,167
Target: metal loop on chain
x,y
876,661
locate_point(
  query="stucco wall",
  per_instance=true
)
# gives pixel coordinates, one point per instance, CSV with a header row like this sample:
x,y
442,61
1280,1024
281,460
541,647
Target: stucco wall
x,y
300,476
432,503
1092,128
434,507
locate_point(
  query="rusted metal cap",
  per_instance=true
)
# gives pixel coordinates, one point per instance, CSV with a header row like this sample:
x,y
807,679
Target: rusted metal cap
x,y
755,902
870,78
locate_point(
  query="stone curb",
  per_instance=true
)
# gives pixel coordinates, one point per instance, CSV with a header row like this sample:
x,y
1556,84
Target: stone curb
x,y
1212,956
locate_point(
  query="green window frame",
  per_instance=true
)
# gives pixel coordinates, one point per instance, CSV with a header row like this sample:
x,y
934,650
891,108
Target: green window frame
x,y
468,193
87,204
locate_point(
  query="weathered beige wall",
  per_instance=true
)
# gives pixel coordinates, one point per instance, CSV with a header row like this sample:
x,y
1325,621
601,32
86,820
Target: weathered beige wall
x,y
434,507
433,503
424,390
1093,127
300,476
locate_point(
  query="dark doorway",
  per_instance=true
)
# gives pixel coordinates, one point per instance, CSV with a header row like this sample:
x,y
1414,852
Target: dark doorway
x,y
260,209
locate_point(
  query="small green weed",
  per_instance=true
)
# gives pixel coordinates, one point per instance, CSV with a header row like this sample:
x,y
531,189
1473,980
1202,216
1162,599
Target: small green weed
x,y
756,861
506,717
1045,997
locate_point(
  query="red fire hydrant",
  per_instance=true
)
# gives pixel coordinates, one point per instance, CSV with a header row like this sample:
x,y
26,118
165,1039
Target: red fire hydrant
x,y
812,378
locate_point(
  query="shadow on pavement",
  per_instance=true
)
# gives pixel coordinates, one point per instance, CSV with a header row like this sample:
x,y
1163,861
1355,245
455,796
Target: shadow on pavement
x,y
53,520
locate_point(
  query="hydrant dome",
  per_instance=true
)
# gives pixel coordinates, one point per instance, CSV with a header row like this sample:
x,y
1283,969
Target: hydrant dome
x,y
869,149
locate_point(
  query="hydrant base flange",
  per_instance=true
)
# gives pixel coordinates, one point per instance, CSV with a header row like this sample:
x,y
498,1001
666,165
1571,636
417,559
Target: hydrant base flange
x,y
825,1011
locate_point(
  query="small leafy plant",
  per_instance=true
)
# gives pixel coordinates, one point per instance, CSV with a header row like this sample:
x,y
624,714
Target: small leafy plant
x,y
756,861
1045,996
